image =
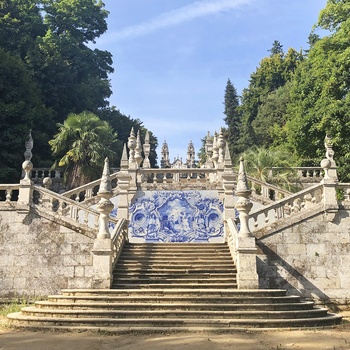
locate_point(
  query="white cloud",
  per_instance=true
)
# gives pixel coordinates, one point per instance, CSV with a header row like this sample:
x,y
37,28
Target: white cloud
x,y
186,13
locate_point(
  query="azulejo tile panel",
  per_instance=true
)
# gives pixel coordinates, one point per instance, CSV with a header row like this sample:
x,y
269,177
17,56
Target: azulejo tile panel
x,y
176,216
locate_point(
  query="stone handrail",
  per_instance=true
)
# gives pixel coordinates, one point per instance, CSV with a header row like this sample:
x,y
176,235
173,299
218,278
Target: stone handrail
x,y
88,193
344,189
7,194
40,173
66,210
303,173
119,236
286,207
265,191
232,234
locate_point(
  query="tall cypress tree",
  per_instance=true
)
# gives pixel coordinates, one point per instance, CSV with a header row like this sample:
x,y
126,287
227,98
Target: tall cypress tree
x,y
232,118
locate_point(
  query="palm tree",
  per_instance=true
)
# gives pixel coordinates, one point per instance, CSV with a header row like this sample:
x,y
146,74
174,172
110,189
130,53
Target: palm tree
x,y
260,160
81,145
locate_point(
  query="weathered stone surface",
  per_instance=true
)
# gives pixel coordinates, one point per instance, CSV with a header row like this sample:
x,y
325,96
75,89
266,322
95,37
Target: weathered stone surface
x,y
312,259
38,257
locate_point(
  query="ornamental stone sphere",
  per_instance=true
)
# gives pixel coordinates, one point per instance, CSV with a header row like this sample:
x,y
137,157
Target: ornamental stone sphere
x,y
325,163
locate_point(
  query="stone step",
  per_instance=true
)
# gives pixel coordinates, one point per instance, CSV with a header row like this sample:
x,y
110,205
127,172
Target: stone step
x,y
195,284
214,292
178,299
180,281
171,314
175,259
80,305
172,275
174,270
161,324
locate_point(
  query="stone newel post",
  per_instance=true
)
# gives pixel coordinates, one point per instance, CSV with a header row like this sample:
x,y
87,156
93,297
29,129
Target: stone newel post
x,y
247,276
146,151
103,246
25,189
329,181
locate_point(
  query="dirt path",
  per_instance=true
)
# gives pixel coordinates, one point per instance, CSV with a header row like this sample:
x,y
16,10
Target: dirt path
x,y
337,338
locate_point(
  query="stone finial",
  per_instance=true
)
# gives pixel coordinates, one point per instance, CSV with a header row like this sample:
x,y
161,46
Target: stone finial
x,y
242,182
243,205
221,145
215,155
227,159
27,165
138,150
105,184
104,206
146,151
328,164
132,146
124,164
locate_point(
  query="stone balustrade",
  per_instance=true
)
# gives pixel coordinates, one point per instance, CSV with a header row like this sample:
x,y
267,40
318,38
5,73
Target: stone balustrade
x,y
119,236
9,193
343,193
149,178
286,207
41,173
266,192
65,208
88,193
302,173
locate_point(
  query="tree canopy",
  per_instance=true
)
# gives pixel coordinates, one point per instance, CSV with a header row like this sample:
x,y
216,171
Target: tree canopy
x,y
49,69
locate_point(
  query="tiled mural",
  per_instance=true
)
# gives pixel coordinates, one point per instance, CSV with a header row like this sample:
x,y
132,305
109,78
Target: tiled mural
x,y
176,216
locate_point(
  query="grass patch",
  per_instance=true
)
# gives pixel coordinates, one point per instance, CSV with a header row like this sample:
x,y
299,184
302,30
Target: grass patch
x,y
13,306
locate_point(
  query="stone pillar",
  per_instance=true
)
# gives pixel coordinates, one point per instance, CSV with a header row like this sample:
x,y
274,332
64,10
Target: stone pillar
x,y
103,245
208,151
138,150
215,150
132,146
25,196
221,146
124,178
247,276
329,181
228,185
146,151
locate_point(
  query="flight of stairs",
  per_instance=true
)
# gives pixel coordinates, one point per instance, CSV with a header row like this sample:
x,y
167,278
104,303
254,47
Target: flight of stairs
x,y
173,287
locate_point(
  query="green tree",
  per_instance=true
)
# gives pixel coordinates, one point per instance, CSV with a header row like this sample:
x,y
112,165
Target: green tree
x,y
320,92
270,121
277,49
260,160
232,118
81,145
273,73
21,109
122,125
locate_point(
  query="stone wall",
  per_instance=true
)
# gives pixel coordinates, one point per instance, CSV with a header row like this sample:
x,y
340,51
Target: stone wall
x,y
39,257
311,259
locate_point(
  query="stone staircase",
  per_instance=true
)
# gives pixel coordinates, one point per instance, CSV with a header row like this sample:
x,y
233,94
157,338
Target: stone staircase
x,y
173,287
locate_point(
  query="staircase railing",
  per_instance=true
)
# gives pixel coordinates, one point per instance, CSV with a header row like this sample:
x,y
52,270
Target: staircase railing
x,y
67,211
119,236
9,193
88,193
266,192
232,234
286,207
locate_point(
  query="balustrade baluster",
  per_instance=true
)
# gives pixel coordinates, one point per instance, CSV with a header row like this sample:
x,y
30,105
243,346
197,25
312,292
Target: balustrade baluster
x,y
86,218
8,195
266,217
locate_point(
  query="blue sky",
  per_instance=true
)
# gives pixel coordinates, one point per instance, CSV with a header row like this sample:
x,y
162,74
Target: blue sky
x,y
172,58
